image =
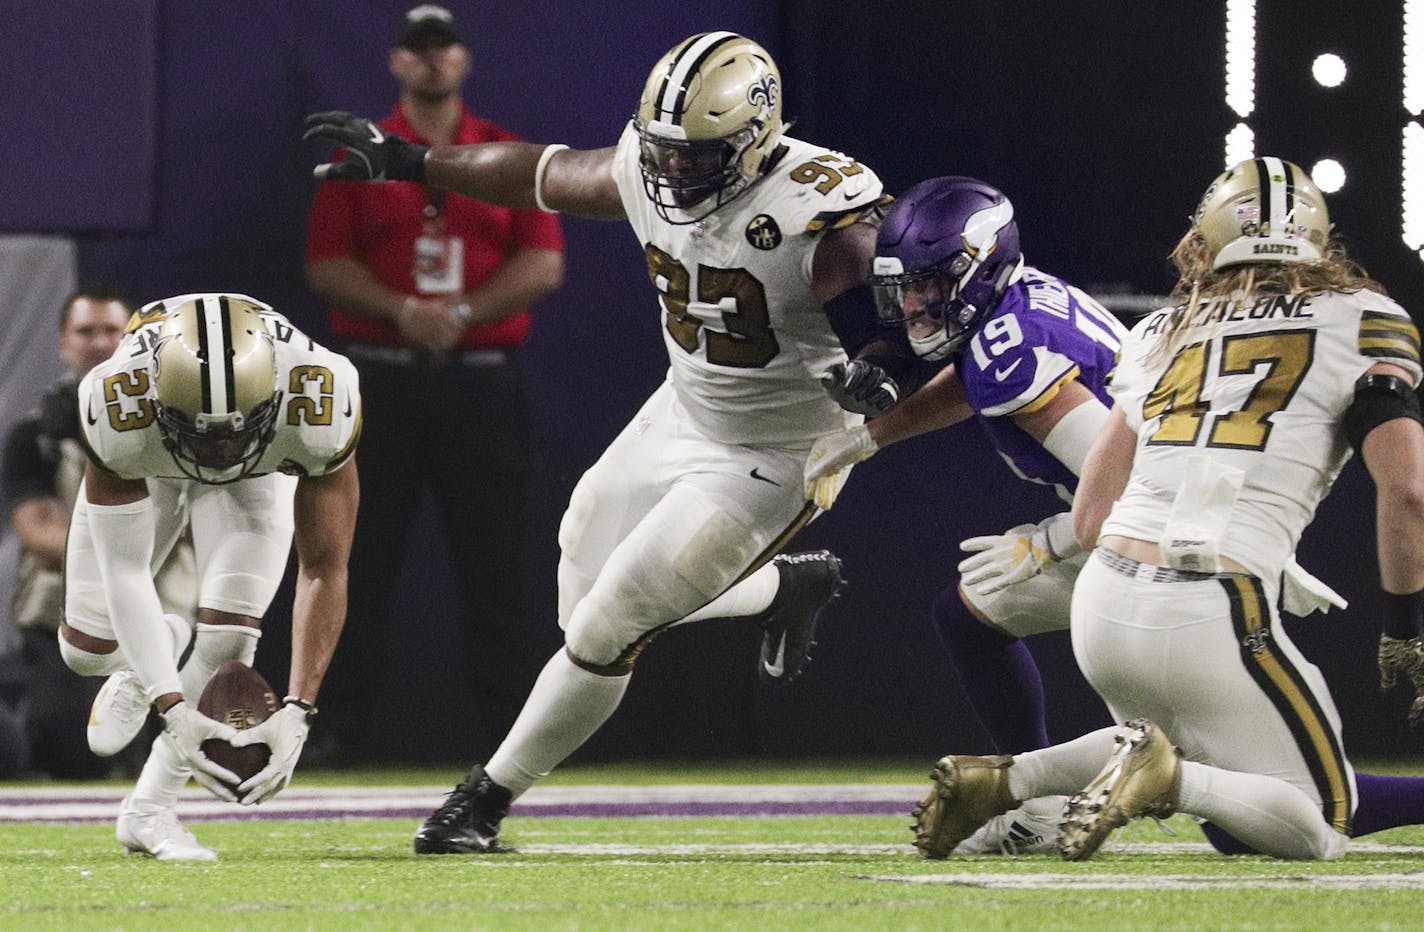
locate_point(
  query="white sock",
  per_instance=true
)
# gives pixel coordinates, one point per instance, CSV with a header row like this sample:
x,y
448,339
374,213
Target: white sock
x,y
214,645
1062,769
748,597
1264,812
164,775
565,707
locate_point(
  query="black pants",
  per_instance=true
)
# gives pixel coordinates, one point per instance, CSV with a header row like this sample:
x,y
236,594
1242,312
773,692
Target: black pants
x,y
460,432
57,704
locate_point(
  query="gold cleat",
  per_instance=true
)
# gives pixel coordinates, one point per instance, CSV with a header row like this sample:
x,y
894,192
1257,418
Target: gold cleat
x,y
968,791
1142,778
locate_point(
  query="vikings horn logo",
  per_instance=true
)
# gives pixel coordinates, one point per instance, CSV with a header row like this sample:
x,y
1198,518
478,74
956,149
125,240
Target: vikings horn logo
x,y
763,93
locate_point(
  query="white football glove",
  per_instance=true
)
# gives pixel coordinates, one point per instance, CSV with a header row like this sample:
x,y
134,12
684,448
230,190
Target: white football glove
x,y
188,728
285,733
1020,553
826,465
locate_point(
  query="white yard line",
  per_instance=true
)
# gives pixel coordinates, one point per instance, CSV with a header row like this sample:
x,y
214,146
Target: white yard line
x,y
1162,881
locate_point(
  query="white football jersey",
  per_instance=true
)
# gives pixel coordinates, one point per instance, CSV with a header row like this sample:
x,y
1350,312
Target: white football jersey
x,y
745,337
1262,389
318,422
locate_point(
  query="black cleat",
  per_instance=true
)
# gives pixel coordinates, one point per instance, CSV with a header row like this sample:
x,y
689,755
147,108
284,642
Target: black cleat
x,y
468,821
808,583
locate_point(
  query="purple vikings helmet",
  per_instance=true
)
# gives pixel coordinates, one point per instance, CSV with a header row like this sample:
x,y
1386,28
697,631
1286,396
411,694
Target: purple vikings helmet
x,y
947,251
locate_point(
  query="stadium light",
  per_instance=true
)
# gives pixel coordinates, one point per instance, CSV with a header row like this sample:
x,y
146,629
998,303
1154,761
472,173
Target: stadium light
x,y
1414,57
1241,56
1240,145
1328,175
1412,186
1329,70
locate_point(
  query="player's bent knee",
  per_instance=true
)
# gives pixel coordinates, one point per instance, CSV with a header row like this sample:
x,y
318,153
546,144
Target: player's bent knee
x,y
1329,845
88,662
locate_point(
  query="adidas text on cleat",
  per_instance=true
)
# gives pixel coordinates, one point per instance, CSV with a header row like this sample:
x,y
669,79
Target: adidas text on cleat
x,y
808,582
1030,829
468,821
1141,778
968,792
160,835
117,715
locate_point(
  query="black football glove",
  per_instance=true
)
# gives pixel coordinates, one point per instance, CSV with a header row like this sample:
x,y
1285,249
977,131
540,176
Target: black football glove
x,y
371,153
861,387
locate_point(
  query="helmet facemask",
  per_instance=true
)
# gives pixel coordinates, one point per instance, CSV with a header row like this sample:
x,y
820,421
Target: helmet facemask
x,y
217,451
692,176
215,386
927,303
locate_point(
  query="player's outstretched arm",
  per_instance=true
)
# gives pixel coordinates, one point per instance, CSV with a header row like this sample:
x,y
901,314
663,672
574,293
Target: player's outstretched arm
x,y
508,174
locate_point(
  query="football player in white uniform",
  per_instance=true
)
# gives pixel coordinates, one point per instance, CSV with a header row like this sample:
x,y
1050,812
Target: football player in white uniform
x,y
1233,413
753,240
213,413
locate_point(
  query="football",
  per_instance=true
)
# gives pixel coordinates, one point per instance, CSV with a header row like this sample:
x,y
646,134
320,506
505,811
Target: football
x,y
239,696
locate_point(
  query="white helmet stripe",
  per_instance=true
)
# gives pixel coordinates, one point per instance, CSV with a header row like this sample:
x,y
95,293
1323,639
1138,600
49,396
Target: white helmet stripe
x,y
682,69
1277,194
215,343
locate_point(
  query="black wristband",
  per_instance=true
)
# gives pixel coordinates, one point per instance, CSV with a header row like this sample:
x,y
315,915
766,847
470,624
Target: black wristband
x,y
405,161
1403,615
302,704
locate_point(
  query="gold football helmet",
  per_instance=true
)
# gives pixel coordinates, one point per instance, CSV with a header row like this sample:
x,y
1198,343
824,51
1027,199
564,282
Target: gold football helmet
x,y
1263,210
709,121
215,384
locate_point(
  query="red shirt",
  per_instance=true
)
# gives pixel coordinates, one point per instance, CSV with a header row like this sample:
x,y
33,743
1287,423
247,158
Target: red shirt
x,y
378,224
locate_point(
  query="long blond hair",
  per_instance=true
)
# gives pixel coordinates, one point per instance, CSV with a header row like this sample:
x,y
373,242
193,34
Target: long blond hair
x,y
1198,283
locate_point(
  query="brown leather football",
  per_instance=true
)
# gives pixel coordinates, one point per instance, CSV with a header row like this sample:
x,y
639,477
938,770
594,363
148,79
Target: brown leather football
x,y
239,696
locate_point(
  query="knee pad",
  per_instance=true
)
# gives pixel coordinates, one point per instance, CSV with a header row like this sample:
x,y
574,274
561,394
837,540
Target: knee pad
x,y
89,664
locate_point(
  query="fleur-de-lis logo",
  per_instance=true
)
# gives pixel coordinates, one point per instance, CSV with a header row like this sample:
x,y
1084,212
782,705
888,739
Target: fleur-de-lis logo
x,y
1257,641
763,93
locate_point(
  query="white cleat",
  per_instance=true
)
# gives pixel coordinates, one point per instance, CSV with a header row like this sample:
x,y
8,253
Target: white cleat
x,y
160,835
118,714
1030,829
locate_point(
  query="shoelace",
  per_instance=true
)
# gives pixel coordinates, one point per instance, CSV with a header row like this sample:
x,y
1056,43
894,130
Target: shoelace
x,y
129,699
455,807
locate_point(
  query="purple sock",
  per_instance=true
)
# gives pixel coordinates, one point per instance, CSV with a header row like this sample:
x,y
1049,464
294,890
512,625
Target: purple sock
x,y
1224,842
998,673
1387,802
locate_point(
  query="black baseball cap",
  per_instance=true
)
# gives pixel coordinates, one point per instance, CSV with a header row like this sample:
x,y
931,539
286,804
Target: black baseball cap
x,y
427,25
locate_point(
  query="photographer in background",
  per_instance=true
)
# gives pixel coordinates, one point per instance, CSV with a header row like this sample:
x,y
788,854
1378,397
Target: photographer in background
x,y
43,465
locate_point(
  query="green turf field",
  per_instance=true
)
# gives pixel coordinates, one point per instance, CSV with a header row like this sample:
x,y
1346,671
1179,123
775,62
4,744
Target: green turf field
x,y
772,872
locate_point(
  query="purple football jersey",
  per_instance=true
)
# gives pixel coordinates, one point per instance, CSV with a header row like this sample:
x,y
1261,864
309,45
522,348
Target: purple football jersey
x,y
1043,331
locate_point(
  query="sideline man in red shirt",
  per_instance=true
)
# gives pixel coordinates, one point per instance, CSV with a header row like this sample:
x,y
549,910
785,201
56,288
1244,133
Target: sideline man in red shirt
x,y
429,294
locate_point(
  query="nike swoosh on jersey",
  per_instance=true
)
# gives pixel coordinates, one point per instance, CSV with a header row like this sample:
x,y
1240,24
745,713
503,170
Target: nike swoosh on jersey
x,y
1001,374
778,667
89,416
348,407
760,477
